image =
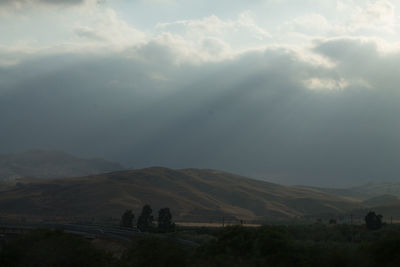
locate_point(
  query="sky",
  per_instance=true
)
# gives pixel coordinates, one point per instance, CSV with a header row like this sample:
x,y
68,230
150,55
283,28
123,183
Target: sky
x,y
293,92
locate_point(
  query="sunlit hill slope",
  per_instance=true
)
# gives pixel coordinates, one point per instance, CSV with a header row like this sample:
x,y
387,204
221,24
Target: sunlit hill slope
x,y
192,194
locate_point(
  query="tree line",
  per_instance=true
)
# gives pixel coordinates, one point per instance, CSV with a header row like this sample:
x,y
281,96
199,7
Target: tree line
x,y
146,218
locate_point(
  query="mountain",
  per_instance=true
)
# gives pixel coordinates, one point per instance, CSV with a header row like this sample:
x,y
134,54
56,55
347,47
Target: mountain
x,y
377,189
363,192
191,194
349,193
51,164
381,200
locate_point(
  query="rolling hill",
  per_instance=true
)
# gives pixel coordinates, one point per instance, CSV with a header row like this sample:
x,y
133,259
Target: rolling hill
x,y
363,192
382,198
192,195
51,164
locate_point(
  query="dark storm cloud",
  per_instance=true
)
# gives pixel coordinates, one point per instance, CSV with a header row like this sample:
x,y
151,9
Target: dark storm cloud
x,y
251,115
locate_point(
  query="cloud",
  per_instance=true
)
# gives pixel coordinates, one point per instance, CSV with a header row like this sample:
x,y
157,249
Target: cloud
x,y
243,30
17,9
377,18
363,60
108,29
378,12
312,24
322,84
367,19
86,29
17,3
300,98
253,113
86,32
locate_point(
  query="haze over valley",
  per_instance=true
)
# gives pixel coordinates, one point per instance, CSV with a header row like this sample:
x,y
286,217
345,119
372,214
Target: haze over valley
x,y
51,164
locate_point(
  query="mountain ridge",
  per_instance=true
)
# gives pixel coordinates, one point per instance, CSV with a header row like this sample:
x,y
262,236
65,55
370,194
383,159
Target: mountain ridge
x,y
192,194
51,164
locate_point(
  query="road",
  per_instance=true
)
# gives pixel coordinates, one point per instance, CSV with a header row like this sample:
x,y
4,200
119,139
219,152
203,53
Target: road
x,y
88,231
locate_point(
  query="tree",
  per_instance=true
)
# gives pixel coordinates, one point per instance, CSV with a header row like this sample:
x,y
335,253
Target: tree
x,y
145,219
127,219
373,221
332,221
165,220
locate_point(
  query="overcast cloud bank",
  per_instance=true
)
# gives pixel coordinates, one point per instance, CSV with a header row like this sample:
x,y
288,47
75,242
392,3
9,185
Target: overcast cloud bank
x,y
303,106
255,114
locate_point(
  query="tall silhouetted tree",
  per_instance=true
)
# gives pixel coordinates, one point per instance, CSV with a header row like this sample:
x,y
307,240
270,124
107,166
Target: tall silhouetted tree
x,y
145,219
373,221
127,219
165,220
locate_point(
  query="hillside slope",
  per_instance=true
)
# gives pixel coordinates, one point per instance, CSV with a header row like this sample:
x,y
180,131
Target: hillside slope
x,y
382,200
51,164
363,192
192,194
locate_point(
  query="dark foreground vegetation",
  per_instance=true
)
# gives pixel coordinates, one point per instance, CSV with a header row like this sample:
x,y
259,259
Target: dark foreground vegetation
x,y
294,245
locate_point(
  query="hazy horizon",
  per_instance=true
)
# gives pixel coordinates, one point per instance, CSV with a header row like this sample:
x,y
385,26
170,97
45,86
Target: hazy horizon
x,y
296,93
